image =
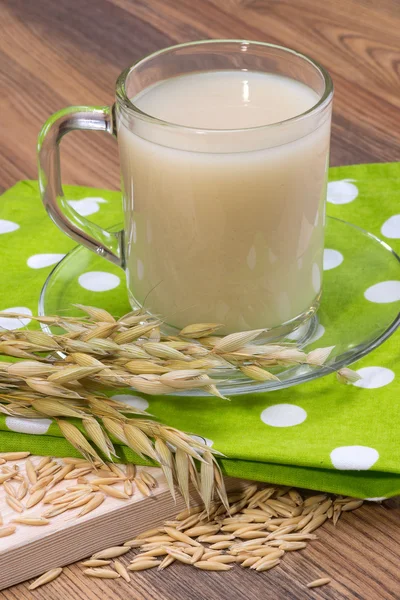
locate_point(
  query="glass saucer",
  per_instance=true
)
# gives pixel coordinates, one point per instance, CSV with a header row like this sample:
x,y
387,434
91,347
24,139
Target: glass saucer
x,y
356,314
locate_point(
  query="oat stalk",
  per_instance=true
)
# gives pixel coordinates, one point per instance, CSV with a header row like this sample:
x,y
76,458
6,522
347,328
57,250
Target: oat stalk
x,y
68,375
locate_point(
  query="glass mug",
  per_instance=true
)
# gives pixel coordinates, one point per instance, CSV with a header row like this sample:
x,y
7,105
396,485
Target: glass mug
x,y
224,204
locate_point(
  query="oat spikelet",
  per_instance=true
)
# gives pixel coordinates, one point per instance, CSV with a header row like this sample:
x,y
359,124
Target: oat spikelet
x,y
185,379
61,474
112,552
257,373
142,487
97,314
95,563
319,356
8,488
207,479
210,565
319,582
35,498
168,560
34,521
45,578
55,408
131,351
234,341
214,391
346,375
30,368
98,436
50,389
145,367
172,436
111,491
76,439
23,489
102,573
102,331
15,504
148,479
130,471
92,504
39,338
142,565
119,567
166,464
125,337
182,474
352,505
14,455
74,373
149,384
102,408
220,484
5,531
128,487
138,441
161,350
85,360
179,555
199,330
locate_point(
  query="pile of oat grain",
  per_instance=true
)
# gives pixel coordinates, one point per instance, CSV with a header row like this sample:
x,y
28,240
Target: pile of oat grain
x,y
262,525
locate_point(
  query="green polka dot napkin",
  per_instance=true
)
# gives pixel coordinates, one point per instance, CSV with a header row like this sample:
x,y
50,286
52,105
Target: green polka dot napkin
x,y
319,435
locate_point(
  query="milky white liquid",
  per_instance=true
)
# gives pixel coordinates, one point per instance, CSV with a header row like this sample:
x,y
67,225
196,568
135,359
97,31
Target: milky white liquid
x,y
225,227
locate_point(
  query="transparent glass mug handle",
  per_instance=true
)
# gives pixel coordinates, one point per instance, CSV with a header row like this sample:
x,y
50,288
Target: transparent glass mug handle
x,y
93,118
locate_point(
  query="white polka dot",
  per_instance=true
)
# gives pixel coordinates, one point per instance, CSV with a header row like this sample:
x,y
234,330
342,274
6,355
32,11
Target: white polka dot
x,y
38,261
302,330
15,322
135,401
341,192
140,269
377,499
298,333
383,292
252,258
354,458
283,415
8,226
391,227
317,335
374,377
87,206
316,278
200,438
332,259
98,281
31,426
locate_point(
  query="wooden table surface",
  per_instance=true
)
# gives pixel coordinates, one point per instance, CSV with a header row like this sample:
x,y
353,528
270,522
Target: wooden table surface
x,y
55,54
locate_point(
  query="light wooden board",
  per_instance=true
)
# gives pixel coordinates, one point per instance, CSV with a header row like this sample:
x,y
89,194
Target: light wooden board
x,y
30,551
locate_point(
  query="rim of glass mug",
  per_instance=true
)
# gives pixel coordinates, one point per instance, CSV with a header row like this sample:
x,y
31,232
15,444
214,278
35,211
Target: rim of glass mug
x,y
124,101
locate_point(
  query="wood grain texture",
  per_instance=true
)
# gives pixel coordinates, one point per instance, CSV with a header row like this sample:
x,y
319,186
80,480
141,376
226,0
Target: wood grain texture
x,y
54,54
